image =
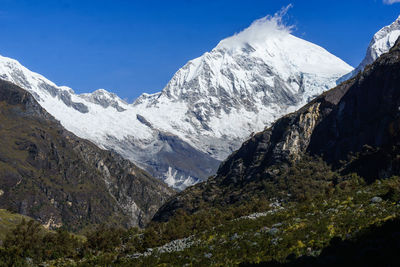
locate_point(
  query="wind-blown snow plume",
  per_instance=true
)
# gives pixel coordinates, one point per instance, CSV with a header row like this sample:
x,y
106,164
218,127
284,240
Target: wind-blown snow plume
x,y
260,30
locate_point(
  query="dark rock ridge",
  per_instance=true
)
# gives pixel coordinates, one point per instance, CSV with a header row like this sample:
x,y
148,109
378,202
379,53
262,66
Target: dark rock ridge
x,y
359,117
51,175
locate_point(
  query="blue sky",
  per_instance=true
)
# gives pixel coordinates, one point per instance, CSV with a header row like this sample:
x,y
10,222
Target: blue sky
x,y
130,47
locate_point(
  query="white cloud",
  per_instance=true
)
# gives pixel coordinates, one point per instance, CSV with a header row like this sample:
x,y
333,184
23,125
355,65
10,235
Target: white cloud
x,y
389,2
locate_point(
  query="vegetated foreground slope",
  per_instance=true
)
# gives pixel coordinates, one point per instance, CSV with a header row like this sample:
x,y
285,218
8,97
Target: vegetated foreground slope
x,y
274,231
59,179
256,231
358,116
377,245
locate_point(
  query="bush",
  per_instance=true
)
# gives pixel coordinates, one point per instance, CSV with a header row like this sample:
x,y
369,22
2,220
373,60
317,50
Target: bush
x,y
29,240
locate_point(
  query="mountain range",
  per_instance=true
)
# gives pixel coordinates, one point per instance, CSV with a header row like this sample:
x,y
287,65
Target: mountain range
x,y
279,150
210,106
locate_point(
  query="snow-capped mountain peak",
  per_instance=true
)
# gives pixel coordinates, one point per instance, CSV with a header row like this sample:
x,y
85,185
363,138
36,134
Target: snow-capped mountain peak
x,y
266,43
243,84
380,43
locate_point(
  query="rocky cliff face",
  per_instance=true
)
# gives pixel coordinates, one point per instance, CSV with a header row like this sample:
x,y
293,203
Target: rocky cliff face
x,y
59,179
359,117
284,142
366,116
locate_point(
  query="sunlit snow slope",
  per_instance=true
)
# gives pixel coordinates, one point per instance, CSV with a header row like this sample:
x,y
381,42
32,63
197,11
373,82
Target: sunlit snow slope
x,y
210,106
